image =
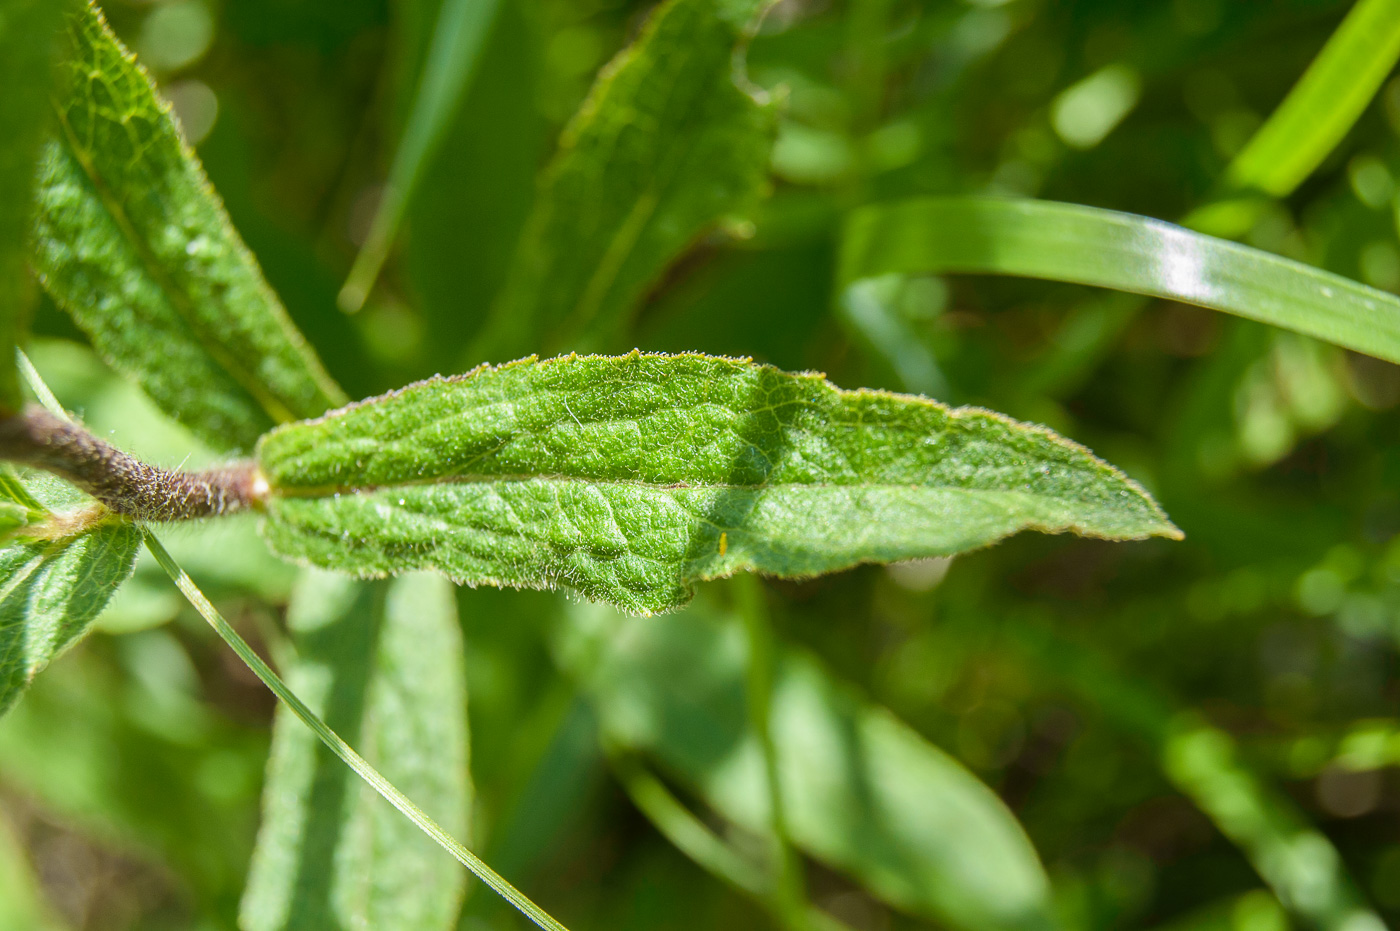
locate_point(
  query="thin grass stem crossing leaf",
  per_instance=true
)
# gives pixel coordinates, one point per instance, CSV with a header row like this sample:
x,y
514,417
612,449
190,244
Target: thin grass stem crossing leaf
x,y
28,33
133,242
666,145
57,577
382,664
1127,252
864,793
630,478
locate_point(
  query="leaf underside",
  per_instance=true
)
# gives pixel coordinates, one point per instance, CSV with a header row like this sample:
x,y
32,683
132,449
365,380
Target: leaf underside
x,y
631,478
132,241
52,589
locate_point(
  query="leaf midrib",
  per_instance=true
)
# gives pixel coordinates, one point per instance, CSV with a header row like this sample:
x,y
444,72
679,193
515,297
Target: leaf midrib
x,y
180,302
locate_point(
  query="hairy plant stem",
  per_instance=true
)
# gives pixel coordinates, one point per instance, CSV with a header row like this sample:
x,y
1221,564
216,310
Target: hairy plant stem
x,y
35,437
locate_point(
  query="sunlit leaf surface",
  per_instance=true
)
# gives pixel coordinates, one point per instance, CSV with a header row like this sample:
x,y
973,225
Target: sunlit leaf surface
x,y
630,478
382,664
131,240
1085,245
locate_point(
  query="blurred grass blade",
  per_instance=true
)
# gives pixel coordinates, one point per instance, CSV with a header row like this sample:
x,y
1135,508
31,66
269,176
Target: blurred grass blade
x,y
372,777
23,905
866,794
1325,102
1296,860
1086,245
131,240
458,35
382,664
29,33
666,145
631,478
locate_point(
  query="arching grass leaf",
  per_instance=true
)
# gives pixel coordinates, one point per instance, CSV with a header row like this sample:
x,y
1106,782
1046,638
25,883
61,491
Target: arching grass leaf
x,y
382,664
863,792
631,478
28,33
131,240
51,589
666,145
1085,245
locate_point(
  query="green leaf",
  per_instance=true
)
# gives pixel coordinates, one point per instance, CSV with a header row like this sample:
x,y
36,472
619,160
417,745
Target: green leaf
x,y
1086,245
28,34
51,589
131,240
1325,103
458,35
666,145
631,478
382,663
863,792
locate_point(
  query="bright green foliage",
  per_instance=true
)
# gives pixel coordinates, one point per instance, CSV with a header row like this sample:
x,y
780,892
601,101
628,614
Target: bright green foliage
x,y
27,31
382,664
131,240
52,588
862,791
458,35
1085,245
1325,103
666,146
631,478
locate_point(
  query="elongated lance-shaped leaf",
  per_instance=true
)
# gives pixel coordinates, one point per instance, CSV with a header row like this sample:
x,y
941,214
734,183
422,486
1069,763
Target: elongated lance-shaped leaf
x,y
863,792
631,478
1325,102
665,146
458,34
28,33
1086,245
60,563
131,240
382,664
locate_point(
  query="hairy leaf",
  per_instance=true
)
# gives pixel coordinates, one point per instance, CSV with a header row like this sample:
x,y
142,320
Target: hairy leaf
x,y
666,145
862,791
131,240
51,589
1086,245
28,30
382,664
630,478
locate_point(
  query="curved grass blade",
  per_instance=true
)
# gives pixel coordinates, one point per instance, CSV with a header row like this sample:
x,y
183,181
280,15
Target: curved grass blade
x,y
458,35
1325,102
339,747
381,662
131,240
1086,245
631,478
864,793
665,146
29,30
